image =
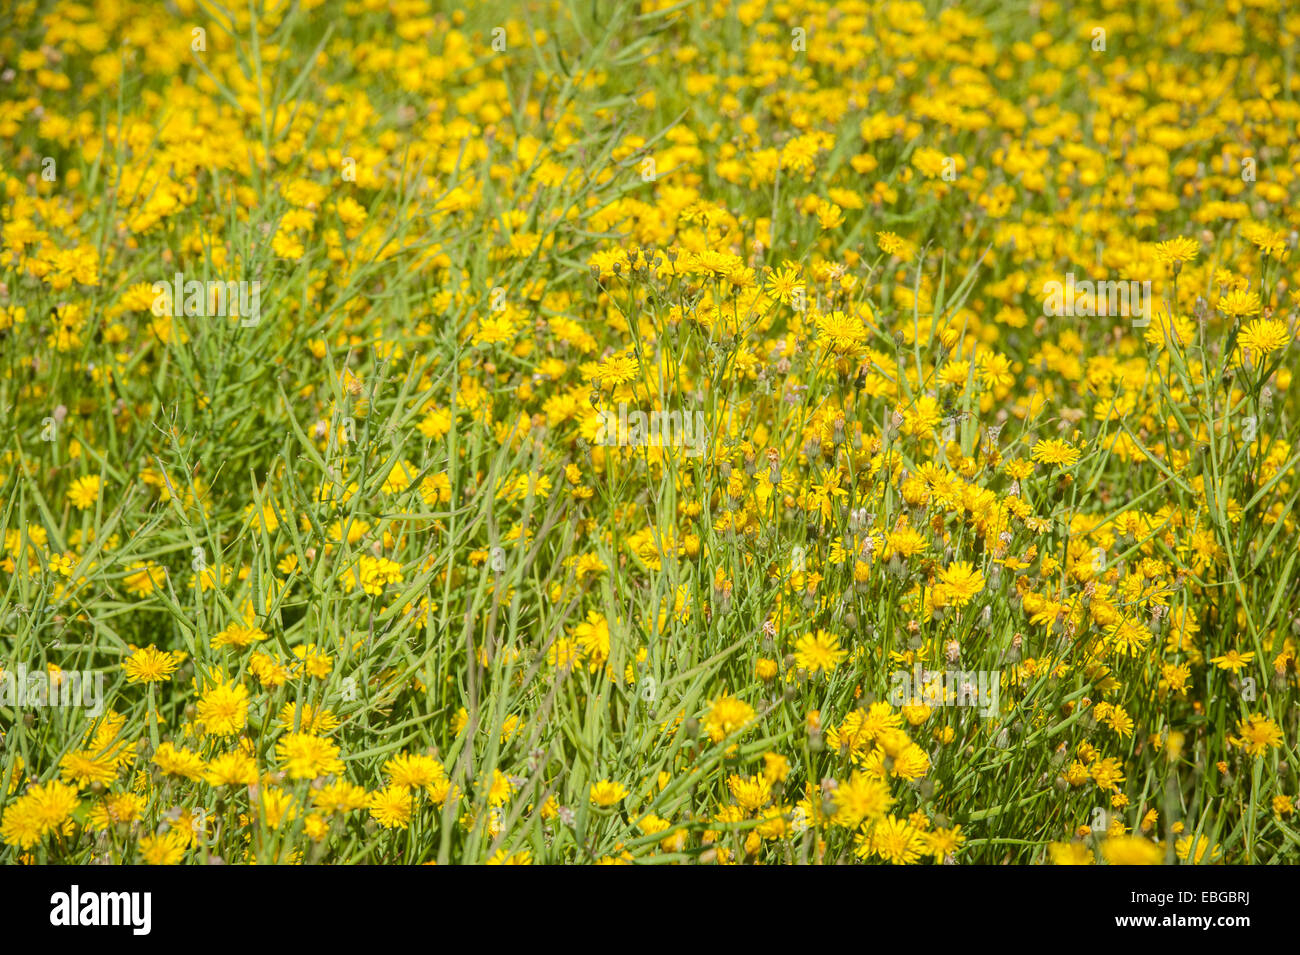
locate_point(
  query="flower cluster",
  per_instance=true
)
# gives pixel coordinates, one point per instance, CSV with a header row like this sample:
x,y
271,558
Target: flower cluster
x,y
364,579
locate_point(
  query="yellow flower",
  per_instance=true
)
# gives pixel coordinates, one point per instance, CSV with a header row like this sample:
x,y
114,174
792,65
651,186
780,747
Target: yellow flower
x,y
392,806
305,756
893,840
307,718
750,792
959,583
1256,734
1198,849
860,798
606,793
38,811
1107,773
843,334
618,369
1055,451
775,767
493,329
178,761
315,661
85,766
1232,660
414,770
84,492
726,715
817,652
1239,302
231,769
378,572
891,244
1069,853
237,634
1177,251
144,577
501,857
1131,850
151,665
1264,336
166,848
223,708
593,636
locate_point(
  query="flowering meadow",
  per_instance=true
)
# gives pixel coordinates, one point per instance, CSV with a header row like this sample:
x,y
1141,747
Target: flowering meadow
x,y
665,431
